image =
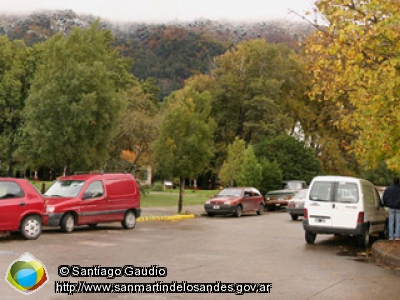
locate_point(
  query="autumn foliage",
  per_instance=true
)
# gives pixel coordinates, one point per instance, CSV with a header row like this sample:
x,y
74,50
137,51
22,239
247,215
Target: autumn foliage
x,y
355,63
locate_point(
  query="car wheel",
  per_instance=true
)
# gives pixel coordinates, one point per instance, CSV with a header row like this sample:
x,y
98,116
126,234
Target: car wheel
x,y
294,217
363,239
260,209
93,225
67,223
310,237
31,227
238,212
129,221
210,214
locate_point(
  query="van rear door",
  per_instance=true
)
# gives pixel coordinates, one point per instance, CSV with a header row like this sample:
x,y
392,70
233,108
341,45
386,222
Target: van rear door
x,y
320,205
346,204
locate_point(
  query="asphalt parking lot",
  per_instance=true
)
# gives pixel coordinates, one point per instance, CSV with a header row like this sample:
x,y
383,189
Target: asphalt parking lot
x,y
251,249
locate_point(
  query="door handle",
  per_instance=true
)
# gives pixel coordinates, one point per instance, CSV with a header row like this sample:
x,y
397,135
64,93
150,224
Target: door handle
x,y
22,204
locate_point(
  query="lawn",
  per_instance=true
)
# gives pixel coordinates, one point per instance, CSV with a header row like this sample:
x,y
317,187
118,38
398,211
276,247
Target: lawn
x,y
160,198
170,198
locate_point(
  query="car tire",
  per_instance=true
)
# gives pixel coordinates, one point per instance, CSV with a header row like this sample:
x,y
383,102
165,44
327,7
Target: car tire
x,y
363,239
67,223
238,211
294,217
129,221
31,227
260,210
310,237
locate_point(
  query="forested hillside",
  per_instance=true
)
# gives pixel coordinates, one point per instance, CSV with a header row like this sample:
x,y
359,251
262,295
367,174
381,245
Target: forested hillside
x,y
171,52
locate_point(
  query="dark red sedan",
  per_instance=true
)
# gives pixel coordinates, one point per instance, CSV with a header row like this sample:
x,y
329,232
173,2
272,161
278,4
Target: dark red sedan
x,y
235,201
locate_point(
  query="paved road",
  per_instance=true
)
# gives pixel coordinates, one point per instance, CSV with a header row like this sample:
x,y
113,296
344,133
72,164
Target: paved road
x,y
252,249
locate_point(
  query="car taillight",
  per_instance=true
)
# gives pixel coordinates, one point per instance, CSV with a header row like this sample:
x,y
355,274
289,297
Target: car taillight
x,y
360,217
305,214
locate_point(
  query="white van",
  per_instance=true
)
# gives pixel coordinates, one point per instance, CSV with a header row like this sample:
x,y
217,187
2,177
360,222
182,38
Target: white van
x,y
343,205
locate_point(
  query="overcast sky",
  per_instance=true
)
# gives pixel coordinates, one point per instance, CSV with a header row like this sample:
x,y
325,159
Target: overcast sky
x,y
167,10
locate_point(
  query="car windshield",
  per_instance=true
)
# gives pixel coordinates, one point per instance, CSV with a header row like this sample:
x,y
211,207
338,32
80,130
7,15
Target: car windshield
x,y
65,188
230,192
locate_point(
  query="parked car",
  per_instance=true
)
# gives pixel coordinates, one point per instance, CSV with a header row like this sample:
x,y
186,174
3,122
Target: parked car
x,y
343,205
295,205
22,208
235,201
280,198
91,199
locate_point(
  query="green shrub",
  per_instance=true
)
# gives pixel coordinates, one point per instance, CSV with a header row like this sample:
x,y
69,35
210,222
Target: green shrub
x,y
157,186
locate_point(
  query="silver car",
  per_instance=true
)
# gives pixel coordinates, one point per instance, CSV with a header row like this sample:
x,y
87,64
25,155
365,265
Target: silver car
x,y
295,205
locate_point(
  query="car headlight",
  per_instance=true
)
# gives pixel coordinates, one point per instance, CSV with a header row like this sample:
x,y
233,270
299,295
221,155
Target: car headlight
x,y
267,198
50,209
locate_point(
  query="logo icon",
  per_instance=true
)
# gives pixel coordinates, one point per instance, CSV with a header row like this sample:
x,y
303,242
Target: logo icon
x,y
26,274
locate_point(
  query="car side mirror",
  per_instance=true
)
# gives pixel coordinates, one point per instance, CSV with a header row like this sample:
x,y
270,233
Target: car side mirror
x,y
87,195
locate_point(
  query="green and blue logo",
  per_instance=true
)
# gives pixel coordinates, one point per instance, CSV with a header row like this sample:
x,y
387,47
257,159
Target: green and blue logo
x,y
26,274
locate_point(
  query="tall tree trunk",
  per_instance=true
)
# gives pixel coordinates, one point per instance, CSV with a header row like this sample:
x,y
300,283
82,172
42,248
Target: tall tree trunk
x,y
181,190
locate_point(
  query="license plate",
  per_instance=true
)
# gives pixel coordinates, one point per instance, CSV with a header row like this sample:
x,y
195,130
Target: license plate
x,y
216,206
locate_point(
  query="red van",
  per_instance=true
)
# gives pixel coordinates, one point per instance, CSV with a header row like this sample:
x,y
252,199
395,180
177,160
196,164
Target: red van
x,y
89,199
22,208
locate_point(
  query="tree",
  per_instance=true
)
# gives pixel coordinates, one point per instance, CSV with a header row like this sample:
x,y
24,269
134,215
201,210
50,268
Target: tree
x,y
355,63
271,175
138,125
250,173
73,105
185,143
295,159
253,82
234,162
379,176
253,86
14,86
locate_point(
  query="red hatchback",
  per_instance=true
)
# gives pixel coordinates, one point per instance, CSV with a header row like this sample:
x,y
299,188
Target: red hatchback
x,y
235,201
22,207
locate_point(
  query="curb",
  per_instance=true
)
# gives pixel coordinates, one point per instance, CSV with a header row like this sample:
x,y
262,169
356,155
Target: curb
x,y
165,218
383,256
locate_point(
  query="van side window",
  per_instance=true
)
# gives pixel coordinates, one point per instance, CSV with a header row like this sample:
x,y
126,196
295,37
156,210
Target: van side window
x,y
347,192
369,195
94,190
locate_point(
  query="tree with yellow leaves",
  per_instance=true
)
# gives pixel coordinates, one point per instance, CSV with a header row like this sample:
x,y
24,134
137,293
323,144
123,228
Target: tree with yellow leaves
x,y
355,63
